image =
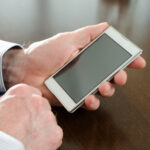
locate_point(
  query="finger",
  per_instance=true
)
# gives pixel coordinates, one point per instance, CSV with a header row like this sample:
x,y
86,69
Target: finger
x,y
84,36
120,78
106,89
138,63
92,102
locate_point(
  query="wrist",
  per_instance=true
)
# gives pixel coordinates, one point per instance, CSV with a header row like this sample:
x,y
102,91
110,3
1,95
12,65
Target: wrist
x,y
13,66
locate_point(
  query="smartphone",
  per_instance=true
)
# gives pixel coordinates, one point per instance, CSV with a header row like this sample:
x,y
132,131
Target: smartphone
x,y
97,62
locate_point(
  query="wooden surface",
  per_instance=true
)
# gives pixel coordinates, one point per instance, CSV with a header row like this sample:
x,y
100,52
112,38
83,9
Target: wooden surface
x,y
123,121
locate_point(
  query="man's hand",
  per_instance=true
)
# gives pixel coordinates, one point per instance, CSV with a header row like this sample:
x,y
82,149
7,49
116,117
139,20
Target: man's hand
x,y
27,116
35,64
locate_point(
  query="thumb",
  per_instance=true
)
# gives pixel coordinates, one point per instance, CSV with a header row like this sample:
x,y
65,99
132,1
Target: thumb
x,y
85,35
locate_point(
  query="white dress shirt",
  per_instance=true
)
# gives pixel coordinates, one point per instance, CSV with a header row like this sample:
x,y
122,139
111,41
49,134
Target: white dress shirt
x,y
7,142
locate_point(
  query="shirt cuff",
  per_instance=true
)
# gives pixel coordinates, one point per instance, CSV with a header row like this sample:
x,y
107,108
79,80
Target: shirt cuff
x,y
4,47
8,142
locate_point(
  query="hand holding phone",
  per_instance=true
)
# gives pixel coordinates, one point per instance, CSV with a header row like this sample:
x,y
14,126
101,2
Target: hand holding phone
x,y
98,62
42,59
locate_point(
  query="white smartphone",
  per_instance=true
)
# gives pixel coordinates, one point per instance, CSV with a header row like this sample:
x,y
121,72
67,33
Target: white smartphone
x,y
97,62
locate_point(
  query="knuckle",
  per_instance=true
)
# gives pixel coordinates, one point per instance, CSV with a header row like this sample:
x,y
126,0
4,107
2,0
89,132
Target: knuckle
x,y
63,35
39,102
49,118
22,85
52,117
59,34
19,88
43,102
59,133
9,99
57,137
34,45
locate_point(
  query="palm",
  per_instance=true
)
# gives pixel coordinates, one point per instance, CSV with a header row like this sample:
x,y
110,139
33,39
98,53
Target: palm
x,y
46,60
49,55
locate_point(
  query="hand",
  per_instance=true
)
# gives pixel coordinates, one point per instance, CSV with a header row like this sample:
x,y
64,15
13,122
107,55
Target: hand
x,y
27,116
35,64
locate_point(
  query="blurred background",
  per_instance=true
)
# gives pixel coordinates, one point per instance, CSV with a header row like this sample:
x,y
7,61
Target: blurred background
x,y
123,121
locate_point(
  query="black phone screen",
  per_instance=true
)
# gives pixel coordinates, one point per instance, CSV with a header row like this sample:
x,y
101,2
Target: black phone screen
x,y
91,67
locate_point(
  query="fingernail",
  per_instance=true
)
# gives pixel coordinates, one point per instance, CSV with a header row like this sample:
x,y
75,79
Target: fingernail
x,y
107,89
94,103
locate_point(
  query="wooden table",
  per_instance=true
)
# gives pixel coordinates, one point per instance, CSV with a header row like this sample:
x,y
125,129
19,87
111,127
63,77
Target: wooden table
x,y
123,121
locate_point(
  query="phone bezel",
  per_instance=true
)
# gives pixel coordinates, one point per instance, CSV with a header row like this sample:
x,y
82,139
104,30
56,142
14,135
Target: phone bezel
x,y
59,92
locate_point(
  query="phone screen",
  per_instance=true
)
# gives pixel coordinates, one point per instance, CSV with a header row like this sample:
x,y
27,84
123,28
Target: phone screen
x,y
91,67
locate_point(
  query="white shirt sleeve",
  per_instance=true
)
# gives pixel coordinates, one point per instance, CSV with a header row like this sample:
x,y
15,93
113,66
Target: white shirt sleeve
x,y
7,142
4,47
